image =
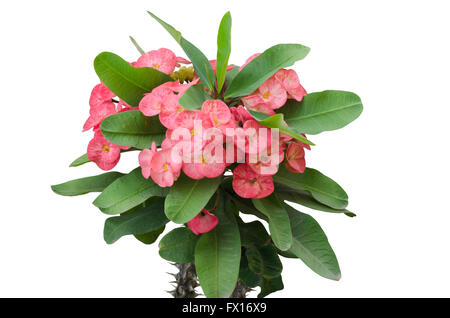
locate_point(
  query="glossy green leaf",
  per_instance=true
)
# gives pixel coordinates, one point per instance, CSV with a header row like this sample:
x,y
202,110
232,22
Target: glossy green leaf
x,y
310,244
264,261
223,49
150,237
127,82
277,121
247,276
133,129
187,197
322,111
178,245
194,97
253,234
269,286
86,185
137,46
218,254
127,192
258,70
201,64
322,188
304,198
81,160
149,218
279,225
231,74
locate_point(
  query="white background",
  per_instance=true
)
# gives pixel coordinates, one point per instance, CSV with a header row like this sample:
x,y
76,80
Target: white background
x,y
392,161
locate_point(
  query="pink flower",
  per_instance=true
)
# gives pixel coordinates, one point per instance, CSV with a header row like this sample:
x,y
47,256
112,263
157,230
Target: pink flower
x,y
291,83
150,104
273,93
104,153
100,94
101,106
163,96
170,108
219,114
203,222
258,137
295,157
248,184
240,114
145,160
163,60
97,113
267,164
270,95
209,163
164,168
248,60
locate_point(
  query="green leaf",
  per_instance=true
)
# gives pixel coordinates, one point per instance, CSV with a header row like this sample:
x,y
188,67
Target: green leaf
x,y
322,111
258,70
81,160
253,234
231,74
201,64
149,218
137,46
310,244
133,129
264,261
305,199
269,286
223,49
150,237
247,276
277,121
322,188
218,253
86,185
127,192
279,225
127,82
172,31
178,245
187,197
194,97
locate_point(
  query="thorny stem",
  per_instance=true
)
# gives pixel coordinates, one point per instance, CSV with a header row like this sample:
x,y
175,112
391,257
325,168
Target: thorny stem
x,y
186,281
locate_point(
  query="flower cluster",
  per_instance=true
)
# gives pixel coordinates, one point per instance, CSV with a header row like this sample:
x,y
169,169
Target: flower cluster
x,y
206,142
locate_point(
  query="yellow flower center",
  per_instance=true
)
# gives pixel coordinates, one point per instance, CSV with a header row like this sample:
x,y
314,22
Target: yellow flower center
x,y
179,109
159,106
156,66
193,132
266,95
166,167
105,148
204,159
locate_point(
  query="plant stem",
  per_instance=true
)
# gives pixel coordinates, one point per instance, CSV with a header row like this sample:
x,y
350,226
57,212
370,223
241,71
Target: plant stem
x,y
186,281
